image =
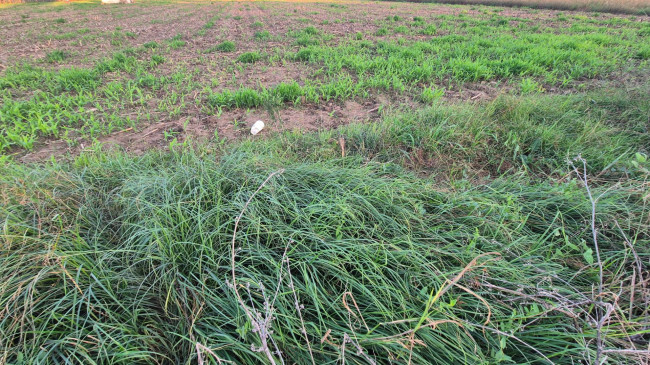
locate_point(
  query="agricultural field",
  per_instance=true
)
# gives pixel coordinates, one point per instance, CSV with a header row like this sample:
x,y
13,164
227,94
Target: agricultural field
x,y
140,77
613,6
435,184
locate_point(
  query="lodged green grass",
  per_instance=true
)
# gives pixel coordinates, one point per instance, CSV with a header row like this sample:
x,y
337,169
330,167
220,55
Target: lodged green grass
x,y
128,260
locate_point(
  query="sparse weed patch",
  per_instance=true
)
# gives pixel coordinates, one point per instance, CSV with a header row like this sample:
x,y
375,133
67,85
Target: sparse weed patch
x,y
210,24
529,86
176,42
226,46
262,35
56,56
288,92
306,40
156,60
310,31
381,31
402,29
242,98
429,30
643,53
249,57
431,94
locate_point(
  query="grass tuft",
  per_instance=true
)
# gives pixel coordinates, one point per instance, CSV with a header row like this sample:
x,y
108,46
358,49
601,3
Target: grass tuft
x,y
262,35
226,46
249,57
56,56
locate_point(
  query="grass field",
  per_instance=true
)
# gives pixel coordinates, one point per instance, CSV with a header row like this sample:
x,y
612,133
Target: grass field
x,y
436,184
615,6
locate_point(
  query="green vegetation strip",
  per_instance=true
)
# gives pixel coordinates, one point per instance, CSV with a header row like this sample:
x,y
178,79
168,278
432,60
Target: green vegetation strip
x,y
484,50
536,133
73,102
123,259
128,259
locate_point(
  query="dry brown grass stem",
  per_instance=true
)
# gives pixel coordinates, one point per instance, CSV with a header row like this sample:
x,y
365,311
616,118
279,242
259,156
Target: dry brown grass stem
x,y
259,325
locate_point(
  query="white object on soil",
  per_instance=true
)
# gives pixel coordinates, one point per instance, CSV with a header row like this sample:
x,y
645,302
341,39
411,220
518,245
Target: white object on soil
x,y
257,127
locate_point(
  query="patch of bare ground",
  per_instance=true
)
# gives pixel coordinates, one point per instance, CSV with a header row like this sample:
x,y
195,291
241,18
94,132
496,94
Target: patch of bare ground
x,y
230,125
86,36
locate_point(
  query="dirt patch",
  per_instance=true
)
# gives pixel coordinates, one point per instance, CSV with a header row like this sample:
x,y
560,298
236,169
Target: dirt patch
x,y
229,126
328,116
